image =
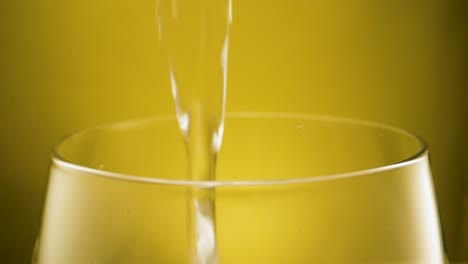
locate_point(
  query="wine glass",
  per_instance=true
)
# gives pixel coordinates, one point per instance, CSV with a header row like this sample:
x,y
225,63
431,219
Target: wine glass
x,y
289,188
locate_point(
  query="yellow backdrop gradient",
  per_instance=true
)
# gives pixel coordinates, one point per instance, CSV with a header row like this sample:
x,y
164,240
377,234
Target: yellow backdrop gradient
x,y
67,65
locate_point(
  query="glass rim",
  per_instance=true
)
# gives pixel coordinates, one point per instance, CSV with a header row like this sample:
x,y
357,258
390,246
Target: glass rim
x,y
421,153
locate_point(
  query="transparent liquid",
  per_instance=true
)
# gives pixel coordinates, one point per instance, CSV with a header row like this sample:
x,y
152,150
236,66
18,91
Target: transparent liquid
x,y
195,36
382,218
387,216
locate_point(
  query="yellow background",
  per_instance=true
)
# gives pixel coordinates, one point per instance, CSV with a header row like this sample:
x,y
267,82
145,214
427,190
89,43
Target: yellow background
x,y
67,65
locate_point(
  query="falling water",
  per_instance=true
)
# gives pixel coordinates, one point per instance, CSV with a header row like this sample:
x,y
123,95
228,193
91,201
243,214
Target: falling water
x,y
194,35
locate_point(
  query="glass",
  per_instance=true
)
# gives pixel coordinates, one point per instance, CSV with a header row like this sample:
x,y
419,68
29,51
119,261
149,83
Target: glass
x,y
290,188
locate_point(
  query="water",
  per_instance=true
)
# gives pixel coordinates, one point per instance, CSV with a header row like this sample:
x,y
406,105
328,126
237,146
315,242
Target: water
x,y
195,38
